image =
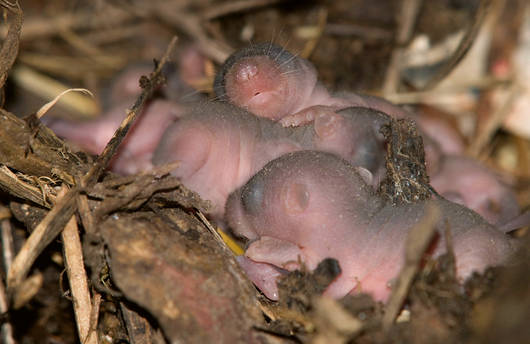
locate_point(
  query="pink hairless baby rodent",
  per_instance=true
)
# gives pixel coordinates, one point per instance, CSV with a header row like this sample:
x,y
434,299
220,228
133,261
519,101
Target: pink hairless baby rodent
x,y
271,82
220,146
137,149
465,181
352,133
307,205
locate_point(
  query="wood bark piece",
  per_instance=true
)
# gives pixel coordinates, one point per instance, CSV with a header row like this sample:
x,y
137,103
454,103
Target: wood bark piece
x,y
64,209
188,285
36,151
9,50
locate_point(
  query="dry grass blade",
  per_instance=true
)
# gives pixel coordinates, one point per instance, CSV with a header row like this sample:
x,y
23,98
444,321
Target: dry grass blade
x,y
46,107
45,87
417,242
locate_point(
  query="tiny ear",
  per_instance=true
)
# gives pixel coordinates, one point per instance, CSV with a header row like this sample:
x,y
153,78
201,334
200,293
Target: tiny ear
x,y
366,175
188,143
307,115
278,252
327,123
453,196
295,198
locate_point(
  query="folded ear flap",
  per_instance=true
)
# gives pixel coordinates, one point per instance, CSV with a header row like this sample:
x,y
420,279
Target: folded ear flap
x,y
520,221
295,198
185,142
308,115
328,123
454,196
366,175
277,252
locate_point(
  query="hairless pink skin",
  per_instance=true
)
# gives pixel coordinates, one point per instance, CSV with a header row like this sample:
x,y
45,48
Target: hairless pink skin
x,y
269,81
136,151
288,90
465,181
220,146
306,206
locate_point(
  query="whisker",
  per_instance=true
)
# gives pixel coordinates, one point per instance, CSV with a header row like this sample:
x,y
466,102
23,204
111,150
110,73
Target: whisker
x,y
218,98
291,71
271,41
282,50
289,60
191,94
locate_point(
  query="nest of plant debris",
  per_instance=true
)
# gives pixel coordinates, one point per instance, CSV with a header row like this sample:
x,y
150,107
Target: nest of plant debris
x,y
142,262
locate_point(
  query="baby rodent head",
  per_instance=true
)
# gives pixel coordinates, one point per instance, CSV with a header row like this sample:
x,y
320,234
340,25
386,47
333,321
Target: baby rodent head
x,y
265,79
297,190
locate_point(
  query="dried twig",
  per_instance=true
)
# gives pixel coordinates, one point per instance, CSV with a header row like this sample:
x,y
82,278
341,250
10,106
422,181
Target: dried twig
x,y
54,64
6,334
417,242
19,188
96,302
65,207
495,121
8,249
89,50
357,30
311,44
438,95
87,217
407,19
191,25
485,7
119,135
77,279
39,27
41,236
232,7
